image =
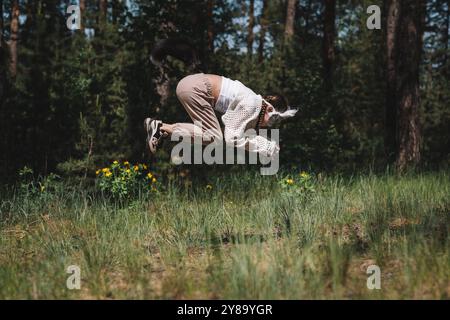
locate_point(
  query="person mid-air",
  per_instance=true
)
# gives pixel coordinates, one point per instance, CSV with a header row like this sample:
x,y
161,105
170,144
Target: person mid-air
x,y
203,94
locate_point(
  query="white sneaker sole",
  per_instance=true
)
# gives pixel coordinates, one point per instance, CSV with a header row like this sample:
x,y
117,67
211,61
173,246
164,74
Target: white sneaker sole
x,y
151,127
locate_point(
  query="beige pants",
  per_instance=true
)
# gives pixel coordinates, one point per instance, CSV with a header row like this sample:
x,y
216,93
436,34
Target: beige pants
x,y
195,94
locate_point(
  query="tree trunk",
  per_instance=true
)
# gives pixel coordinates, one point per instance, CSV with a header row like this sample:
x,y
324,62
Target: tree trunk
x,y
210,15
410,42
328,54
30,10
251,25
116,10
2,71
103,10
446,36
307,15
390,142
162,80
82,14
14,37
290,19
1,24
262,35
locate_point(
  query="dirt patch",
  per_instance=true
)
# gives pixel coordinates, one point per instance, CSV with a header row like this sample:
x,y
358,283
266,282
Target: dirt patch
x,y
401,222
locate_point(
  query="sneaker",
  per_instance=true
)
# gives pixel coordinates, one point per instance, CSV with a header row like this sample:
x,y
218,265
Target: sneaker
x,y
154,135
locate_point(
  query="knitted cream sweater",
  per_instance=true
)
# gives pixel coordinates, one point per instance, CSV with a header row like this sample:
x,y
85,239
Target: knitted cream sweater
x,y
241,115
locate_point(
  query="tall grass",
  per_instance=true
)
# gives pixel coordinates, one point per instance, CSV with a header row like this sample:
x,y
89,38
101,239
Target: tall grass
x,y
246,238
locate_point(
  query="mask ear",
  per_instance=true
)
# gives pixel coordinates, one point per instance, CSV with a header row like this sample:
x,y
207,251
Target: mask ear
x,y
276,116
289,113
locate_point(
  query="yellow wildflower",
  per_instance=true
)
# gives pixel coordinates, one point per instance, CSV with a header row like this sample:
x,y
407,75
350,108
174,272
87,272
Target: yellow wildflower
x,y
116,162
290,181
149,175
108,174
97,172
154,180
145,167
128,171
126,163
136,168
304,175
105,170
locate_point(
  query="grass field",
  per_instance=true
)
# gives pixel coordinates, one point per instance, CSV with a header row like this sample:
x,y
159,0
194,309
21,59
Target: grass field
x,y
243,237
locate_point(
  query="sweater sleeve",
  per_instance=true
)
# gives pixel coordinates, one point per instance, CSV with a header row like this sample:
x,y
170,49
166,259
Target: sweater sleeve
x,y
236,120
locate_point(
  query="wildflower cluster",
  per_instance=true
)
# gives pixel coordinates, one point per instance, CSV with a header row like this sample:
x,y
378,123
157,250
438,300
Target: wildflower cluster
x,y
124,179
303,183
41,186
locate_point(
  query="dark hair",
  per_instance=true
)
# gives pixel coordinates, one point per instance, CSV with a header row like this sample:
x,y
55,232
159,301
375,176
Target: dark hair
x,y
278,101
